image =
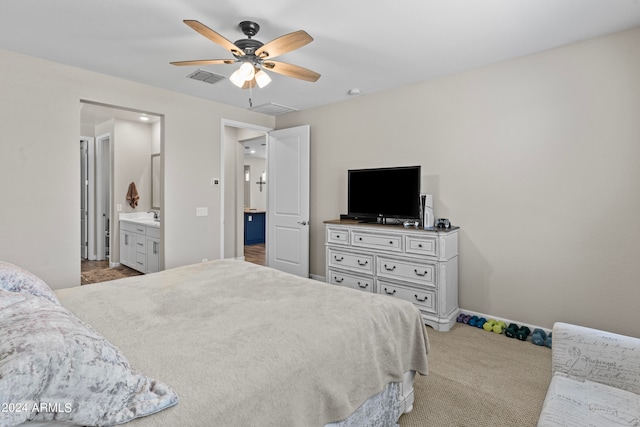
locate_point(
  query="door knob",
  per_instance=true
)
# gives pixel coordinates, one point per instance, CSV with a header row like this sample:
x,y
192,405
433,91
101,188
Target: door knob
x,y
303,222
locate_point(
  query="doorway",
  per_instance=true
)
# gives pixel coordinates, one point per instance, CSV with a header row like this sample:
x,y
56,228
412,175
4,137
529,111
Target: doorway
x,y
255,199
117,148
287,216
244,201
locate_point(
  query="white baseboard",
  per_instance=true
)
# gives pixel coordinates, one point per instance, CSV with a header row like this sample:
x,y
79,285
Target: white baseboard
x,y
316,277
507,321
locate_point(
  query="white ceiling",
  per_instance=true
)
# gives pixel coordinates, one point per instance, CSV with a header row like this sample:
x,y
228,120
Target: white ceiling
x,y
358,43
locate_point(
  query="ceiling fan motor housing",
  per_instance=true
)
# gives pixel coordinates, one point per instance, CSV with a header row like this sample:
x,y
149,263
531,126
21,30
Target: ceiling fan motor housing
x,y
249,28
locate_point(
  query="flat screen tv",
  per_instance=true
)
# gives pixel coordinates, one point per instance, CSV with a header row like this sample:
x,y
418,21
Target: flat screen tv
x,y
384,193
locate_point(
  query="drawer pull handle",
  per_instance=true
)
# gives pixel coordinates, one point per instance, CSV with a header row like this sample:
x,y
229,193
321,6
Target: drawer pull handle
x,y
363,287
360,238
338,280
389,268
337,236
389,293
363,263
421,275
391,242
423,299
419,245
338,259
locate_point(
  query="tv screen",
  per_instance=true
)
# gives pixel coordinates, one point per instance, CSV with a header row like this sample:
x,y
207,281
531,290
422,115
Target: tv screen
x,y
384,193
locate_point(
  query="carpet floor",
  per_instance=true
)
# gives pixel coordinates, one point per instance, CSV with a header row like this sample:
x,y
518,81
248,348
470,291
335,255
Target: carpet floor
x,y
481,379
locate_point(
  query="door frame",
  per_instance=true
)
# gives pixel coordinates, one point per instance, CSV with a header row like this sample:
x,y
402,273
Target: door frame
x,y
103,195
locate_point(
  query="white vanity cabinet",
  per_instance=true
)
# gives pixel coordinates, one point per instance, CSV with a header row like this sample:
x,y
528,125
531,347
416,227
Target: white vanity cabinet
x,y
420,266
140,246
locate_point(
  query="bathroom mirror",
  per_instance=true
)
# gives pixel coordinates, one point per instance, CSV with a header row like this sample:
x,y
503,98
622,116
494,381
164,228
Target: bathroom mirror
x,y
155,181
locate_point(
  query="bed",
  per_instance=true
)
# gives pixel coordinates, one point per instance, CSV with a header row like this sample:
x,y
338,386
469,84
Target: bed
x,y
224,343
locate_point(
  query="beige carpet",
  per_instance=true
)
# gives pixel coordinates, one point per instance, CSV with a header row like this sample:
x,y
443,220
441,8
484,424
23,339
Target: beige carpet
x,y
478,378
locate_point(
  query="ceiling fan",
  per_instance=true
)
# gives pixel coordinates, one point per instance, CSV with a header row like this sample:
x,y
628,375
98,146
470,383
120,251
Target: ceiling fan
x,y
254,55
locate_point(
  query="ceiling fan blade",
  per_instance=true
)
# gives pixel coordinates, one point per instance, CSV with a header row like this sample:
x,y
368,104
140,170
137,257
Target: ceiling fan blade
x,y
291,70
214,37
205,62
284,44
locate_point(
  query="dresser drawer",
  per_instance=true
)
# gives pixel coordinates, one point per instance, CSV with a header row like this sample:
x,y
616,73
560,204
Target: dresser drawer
x,y
338,235
424,299
141,261
408,270
351,281
127,226
141,244
153,232
386,242
421,245
350,261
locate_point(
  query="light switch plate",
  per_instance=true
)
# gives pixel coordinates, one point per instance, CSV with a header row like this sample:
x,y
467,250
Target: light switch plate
x,y
202,211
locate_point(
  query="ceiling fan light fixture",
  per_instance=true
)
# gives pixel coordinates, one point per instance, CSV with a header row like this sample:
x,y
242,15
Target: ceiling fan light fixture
x,y
247,71
262,79
237,79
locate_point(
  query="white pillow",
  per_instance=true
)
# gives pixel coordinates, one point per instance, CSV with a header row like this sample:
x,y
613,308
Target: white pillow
x,y
54,367
17,279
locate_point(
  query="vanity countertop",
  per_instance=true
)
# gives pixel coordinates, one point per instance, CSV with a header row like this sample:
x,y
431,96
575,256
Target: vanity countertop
x,y
142,218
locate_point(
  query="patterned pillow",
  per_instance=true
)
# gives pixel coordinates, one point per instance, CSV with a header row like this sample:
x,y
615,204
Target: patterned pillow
x,y
54,367
17,279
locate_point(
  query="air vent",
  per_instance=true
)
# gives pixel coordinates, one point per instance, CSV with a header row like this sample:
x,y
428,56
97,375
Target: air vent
x,y
272,109
206,76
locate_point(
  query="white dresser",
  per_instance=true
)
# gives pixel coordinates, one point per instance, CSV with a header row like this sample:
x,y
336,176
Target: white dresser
x,y
416,265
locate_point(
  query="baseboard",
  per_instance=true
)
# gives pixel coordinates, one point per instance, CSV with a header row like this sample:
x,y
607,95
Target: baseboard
x,y
317,277
114,264
507,321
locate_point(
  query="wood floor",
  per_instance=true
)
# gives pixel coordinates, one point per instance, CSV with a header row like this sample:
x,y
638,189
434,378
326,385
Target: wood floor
x,y
99,271
255,254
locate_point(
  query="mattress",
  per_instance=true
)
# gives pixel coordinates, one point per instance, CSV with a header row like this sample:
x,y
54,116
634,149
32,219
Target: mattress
x,y
247,345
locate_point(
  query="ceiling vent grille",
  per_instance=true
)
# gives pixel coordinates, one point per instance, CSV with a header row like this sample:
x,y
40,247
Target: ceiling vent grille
x,y
206,77
272,109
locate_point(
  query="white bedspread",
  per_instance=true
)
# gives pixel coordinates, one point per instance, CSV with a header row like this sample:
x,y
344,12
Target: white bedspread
x,y
245,345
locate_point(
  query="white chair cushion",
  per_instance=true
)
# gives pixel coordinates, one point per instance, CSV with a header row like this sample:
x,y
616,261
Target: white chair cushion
x,y
573,402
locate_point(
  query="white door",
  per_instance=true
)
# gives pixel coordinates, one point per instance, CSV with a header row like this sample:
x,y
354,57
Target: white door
x,y
288,200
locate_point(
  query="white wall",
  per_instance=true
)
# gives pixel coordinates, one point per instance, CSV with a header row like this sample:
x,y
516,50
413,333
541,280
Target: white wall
x,y
258,198
40,167
536,159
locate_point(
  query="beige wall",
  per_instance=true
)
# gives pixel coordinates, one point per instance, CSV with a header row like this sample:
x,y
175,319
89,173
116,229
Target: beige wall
x,y
40,166
536,159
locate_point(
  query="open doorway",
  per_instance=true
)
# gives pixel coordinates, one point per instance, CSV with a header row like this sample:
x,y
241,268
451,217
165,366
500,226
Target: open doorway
x,y
244,200
255,199
117,148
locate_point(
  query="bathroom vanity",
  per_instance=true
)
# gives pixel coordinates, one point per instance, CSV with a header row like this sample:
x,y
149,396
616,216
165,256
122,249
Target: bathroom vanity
x,y
140,242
